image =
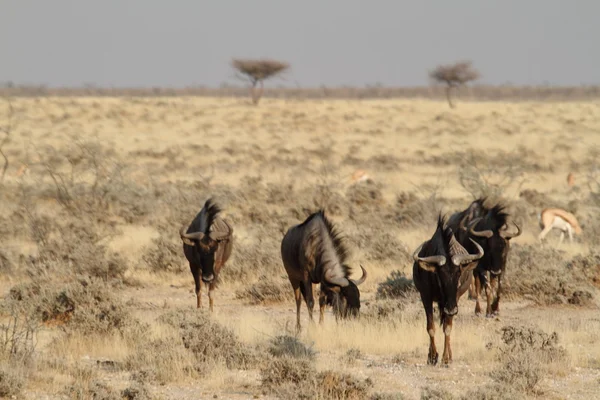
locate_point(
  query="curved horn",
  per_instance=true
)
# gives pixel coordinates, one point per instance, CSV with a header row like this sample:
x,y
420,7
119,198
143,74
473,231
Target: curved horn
x,y
504,234
439,260
467,258
363,277
188,237
486,234
221,234
336,280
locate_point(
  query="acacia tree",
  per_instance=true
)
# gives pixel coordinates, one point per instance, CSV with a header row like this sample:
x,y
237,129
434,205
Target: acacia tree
x,y
256,71
453,76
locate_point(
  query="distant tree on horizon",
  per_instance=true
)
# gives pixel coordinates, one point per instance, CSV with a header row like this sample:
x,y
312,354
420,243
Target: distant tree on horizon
x,y
453,76
256,71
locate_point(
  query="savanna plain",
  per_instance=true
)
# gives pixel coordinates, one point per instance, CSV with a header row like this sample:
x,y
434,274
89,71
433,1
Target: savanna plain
x,y
97,300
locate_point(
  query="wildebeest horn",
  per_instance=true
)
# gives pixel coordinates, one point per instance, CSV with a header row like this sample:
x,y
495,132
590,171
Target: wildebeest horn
x,y
221,234
188,237
504,234
467,258
486,234
362,278
439,260
336,280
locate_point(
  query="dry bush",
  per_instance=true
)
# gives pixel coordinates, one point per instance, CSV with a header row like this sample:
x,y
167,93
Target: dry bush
x,y
390,310
387,396
493,391
541,275
338,386
89,181
165,255
482,178
74,248
12,379
260,256
209,341
161,360
428,393
266,290
289,346
18,331
368,194
412,210
525,354
397,285
453,76
351,356
290,378
87,385
86,305
137,391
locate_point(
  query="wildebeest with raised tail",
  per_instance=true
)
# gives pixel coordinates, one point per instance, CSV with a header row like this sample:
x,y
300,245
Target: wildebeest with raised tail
x,y
314,252
207,244
488,225
442,273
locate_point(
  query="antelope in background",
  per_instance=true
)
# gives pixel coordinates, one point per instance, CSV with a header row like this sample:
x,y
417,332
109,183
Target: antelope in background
x,y
557,218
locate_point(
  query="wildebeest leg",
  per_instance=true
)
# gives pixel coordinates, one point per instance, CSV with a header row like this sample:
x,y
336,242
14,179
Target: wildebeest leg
x,y
322,304
432,357
307,291
198,286
447,355
489,295
298,296
211,287
477,292
472,292
496,303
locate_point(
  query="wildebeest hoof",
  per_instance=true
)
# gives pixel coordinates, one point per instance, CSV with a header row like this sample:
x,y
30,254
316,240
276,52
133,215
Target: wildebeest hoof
x,y
489,315
432,360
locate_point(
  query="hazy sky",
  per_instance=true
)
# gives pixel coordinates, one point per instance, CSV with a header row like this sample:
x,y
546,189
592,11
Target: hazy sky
x,y
332,42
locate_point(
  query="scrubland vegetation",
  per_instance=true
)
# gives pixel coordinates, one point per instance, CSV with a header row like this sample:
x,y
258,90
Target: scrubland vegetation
x,y
96,296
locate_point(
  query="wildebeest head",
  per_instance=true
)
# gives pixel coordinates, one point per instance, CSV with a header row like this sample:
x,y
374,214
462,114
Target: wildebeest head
x,y
444,256
340,291
492,231
201,241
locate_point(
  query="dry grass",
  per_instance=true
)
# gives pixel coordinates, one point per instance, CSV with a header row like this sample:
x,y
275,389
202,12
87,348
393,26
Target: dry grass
x,y
95,287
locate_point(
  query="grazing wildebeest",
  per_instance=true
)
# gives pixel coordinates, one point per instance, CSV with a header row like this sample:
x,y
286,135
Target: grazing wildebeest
x,y
557,218
488,225
441,273
207,243
313,252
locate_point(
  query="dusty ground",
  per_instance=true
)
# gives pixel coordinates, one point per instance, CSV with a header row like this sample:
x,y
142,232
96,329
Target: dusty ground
x,y
222,147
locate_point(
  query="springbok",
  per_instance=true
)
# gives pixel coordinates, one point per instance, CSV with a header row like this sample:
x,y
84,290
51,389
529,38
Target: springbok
x,y
359,176
557,218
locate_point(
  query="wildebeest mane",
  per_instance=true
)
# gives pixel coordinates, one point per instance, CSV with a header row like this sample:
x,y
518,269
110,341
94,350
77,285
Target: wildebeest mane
x,y
494,219
332,251
438,244
205,218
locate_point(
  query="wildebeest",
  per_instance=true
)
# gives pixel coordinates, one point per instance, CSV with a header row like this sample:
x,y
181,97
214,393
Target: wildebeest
x,y
441,273
207,244
488,225
557,218
314,252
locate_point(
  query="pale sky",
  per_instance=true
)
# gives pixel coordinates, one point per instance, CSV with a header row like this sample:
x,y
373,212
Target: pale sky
x,y
126,43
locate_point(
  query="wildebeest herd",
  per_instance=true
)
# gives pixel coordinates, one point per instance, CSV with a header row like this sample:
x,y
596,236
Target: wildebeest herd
x,y
467,251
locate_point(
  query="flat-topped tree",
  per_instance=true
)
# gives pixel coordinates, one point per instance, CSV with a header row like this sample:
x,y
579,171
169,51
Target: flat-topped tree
x,y
256,71
454,75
